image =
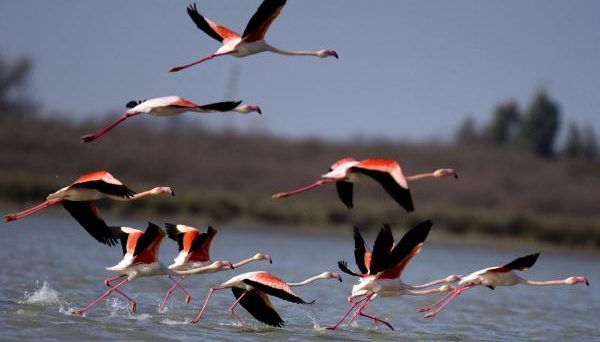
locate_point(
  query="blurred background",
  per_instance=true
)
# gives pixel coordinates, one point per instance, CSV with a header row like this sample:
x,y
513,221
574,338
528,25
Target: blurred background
x,y
506,93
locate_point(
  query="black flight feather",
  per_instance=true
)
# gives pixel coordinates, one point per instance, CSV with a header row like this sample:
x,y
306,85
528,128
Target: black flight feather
x,y
151,233
262,14
255,304
221,106
381,250
522,263
409,242
359,251
344,190
107,188
398,193
343,265
85,213
275,292
201,23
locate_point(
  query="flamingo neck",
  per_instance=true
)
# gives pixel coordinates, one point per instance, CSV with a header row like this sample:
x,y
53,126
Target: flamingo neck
x,y
244,262
420,176
449,279
214,267
308,281
291,53
567,281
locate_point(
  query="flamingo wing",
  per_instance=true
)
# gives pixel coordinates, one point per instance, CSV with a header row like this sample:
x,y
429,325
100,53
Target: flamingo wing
x,y
258,25
343,266
360,251
216,31
120,190
149,239
200,246
86,213
519,264
221,106
399,193
409,246
183,103
344,191
282,291
381,250
259,306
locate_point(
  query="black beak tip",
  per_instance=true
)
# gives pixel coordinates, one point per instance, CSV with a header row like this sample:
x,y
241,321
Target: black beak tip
x,y
340,279
172,193
259,110
587,283
456,176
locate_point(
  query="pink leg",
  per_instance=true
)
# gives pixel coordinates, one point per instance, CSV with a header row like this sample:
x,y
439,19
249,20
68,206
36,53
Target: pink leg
x,y
176,284
454,294
91,137
27,212
356,313
232,309
132,302
178,68
373,318
352,306
308,187
438,302
210,292
104,295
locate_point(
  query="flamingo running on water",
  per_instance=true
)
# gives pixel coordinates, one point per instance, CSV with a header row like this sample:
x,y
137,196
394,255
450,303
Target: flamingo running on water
x,y
140,259
386,172
194,253
499,276
251,290
252,41
380,270
78,198
169,106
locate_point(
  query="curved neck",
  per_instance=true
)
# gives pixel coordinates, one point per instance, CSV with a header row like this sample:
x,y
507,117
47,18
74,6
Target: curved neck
x,y
420,176
426,292
308,281
244,262
431,283
205,269
291,53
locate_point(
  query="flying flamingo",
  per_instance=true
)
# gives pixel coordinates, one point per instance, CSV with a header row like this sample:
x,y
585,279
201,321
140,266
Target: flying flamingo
x,y
78,198
253,39
140,259
194,253
380,270
251,290
170,106
499,276
386,172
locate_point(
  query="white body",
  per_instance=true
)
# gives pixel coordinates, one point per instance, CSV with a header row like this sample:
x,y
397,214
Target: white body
x,y
80,194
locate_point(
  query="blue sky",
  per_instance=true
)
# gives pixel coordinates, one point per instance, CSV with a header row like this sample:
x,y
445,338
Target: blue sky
x,y
408,70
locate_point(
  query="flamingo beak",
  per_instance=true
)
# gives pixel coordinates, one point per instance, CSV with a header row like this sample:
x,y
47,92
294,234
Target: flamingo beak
x,y
230,265
258,110
455,175
270,260
339,278
172,193
334,54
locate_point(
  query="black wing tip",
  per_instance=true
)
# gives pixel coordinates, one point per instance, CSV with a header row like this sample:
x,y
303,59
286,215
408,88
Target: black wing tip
x,y
172,231
211,230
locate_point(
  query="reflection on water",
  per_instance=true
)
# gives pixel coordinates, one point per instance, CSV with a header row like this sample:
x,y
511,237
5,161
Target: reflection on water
x,y
51,265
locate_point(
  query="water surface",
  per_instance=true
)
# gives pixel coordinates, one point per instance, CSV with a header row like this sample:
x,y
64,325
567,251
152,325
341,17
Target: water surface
x,y
51,265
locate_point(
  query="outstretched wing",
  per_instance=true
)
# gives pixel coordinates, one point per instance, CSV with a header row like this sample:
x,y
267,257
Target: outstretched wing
x,y
400,194
344,190
258,25
343,266
259,306
519,264
216,31
381,250
277,292
221,106
86,213
152,235
406,249
360,251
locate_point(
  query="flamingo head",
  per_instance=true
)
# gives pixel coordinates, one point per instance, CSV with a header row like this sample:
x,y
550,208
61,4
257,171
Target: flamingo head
x,y
245,109
576,280
331,275
163,190
327,53
445,172
261,256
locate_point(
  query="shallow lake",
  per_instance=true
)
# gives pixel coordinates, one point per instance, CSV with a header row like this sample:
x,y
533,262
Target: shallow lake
x,y
50,266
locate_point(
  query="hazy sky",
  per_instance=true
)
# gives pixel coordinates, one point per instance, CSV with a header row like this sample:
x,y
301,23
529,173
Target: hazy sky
x,y
407,69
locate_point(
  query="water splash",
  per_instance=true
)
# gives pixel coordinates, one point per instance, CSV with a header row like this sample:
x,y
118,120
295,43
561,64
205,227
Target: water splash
x,y
174,322
42,295
115,306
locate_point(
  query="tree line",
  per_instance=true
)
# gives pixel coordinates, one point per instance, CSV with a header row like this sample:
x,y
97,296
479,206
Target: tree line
x,y
535,130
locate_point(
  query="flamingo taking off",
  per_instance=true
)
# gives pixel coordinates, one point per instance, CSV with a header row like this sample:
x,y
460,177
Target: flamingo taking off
x,y
251,290
499,276
380,270
253,39
194,253
140,259
169,106
78,198
386,172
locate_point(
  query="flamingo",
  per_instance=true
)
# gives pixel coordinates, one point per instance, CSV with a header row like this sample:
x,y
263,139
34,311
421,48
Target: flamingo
x,y
386,172
380,270
140,259
169,106
78,199
251,290
194,253
499,276
252,40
